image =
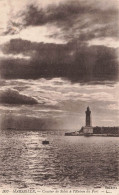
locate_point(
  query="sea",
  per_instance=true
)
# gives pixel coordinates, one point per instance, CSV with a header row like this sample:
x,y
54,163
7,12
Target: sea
x,y
66,162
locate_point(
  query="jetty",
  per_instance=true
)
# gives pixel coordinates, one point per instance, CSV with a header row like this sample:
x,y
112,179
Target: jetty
x,y
89,130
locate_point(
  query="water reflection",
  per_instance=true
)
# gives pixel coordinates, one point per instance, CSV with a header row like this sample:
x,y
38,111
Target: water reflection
x,y
65,162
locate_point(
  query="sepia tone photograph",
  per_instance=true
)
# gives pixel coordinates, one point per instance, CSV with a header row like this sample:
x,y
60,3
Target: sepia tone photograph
x,y
59,97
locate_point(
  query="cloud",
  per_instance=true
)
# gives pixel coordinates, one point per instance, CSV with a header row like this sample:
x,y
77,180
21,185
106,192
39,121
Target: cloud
x,y
52,13
76,19
59,80
74,61
113,107
64,102
57,90
10,96
2,55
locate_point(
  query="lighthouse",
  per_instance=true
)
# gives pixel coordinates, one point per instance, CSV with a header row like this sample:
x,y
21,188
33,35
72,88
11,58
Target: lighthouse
x,y
88,117
88,129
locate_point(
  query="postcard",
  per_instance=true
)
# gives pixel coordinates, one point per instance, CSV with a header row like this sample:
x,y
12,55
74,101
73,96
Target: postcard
x,y
59,97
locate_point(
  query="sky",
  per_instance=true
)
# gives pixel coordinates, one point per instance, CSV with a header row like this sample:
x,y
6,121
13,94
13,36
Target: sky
x,y
57,58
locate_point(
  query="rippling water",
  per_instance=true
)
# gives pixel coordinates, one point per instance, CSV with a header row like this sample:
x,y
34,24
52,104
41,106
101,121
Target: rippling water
x,y
65,162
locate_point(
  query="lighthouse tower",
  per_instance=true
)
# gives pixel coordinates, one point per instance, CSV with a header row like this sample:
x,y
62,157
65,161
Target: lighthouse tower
x,y
88,129
88,117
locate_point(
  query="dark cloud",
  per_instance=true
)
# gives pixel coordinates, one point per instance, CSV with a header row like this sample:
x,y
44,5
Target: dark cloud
x,y
53,13
73,61
10,96
76,19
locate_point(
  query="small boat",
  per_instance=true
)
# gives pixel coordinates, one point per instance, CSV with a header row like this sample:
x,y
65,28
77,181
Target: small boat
x,y
45,142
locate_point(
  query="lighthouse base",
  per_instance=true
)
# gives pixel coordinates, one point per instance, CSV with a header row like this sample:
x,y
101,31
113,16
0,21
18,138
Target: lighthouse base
x,y
88,130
